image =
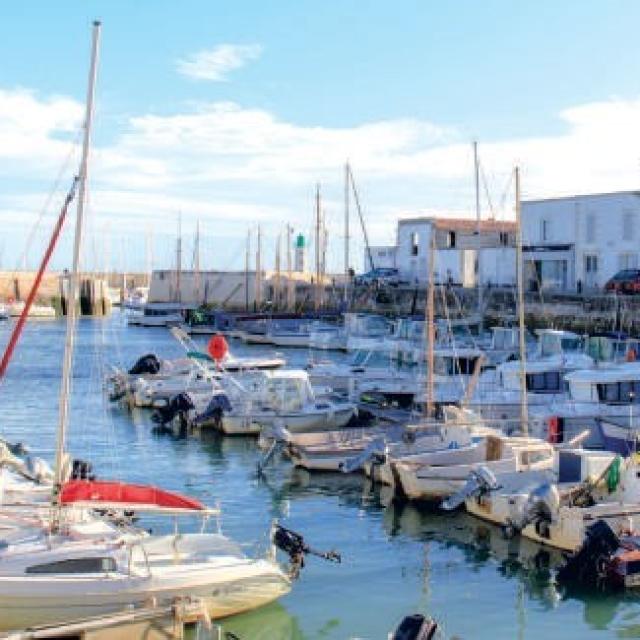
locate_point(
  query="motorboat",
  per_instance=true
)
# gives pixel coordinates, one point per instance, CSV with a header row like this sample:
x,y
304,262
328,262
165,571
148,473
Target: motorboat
x,y
368,448
435,475
555,507
262,398
158,314
603,399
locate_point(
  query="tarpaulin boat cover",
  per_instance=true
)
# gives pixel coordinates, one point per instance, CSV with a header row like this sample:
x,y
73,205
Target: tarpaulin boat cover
x,y
123,493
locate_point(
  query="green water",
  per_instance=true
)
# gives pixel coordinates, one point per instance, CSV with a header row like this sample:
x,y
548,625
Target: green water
x,y
396,559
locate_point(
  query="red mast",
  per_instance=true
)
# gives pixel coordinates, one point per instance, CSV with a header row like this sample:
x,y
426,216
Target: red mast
x,y
17,330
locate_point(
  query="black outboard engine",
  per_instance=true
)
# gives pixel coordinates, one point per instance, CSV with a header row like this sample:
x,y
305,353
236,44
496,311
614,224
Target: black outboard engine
x,y
179,405
146,364
218,405
295,546
587,565
82,470
416,627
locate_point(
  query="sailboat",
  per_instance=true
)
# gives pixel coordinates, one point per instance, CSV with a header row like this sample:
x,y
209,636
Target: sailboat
x,y
64,566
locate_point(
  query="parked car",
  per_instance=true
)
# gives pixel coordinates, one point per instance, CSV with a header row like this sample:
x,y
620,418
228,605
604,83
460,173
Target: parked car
x,y
379,275
625,281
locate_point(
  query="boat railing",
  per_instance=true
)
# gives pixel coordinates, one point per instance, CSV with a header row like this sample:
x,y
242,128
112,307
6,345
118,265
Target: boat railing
x,y
132,546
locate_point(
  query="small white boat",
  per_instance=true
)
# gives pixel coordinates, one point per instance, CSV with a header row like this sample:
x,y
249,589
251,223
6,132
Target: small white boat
x,y
36,310
555,507
267,397
436,475
158,314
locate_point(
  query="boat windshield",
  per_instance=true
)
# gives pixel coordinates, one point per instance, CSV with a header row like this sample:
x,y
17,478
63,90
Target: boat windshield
x,y
75,565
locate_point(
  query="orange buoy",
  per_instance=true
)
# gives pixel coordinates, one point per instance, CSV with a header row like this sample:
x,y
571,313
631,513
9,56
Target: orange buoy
x,y
217,348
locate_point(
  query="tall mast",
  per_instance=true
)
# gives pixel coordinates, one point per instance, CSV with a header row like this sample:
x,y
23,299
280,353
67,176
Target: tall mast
x,y
290,288
149,253
318,248
276,301
258,278
72,311
524,410
179,260
431,330
346,233
476,172
196,262
247,254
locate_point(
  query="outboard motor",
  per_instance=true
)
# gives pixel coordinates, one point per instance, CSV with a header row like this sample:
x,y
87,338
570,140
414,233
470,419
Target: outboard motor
x,y
589,564
82,470
178,406
146,364
480,482
375,448
415,627
293,544
218,405
541,504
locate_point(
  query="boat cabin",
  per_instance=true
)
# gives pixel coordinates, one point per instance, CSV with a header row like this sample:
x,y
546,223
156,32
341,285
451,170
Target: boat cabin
x,y
553,342
617,384
456,362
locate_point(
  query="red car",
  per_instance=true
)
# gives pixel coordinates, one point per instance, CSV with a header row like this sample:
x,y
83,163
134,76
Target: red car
x,y
625,281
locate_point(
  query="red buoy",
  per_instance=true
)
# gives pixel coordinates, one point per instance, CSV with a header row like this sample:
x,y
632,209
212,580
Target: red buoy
x,y
217,348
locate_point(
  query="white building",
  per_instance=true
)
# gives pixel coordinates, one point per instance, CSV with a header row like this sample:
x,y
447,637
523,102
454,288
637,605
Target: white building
x,y
458,244
580,241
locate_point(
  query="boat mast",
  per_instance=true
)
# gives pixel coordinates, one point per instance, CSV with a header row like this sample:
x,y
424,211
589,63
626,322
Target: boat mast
x,y
72,311
476,165
276,302
289,282
524,410
318,249
346,233
196,262
258,274
179,260
431,330
247,253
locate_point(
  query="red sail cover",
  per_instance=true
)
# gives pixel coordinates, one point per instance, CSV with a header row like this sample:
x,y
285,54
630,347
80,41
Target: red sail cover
x,y
125,494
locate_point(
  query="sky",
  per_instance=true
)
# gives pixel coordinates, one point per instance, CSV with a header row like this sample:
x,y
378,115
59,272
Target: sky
x,y
227,115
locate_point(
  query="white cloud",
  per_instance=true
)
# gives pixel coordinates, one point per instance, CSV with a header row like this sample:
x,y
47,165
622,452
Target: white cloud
x,y
232,166
215,64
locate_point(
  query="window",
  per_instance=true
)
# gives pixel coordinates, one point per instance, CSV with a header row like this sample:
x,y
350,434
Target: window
x,y
591,263
451,240
545,382
545,230
415,243
590,230
504,238
75,565
626,392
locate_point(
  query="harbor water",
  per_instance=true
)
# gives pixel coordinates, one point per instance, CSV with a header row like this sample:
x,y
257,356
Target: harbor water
x,y
396,559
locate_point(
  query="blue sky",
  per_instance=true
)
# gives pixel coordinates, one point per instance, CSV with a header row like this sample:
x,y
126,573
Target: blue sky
x,y
230,112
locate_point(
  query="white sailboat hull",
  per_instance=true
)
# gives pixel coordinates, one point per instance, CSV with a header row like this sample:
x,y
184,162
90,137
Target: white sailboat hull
x,y
252,424
27,601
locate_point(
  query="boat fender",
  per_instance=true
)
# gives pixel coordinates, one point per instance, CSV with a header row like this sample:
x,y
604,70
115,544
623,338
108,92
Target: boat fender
x,y
415,627
555,431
